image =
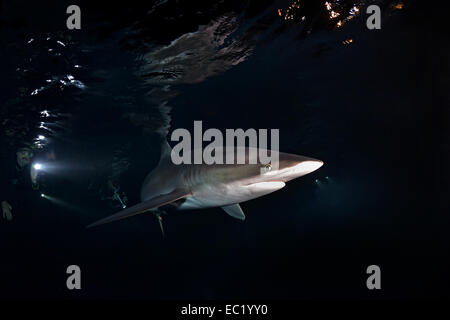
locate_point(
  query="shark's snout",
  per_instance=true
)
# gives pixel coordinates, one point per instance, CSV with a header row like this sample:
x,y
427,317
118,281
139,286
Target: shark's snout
x,y
291,167
305,167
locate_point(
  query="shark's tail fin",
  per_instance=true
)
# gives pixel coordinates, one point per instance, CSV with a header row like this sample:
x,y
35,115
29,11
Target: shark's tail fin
x,y
145,206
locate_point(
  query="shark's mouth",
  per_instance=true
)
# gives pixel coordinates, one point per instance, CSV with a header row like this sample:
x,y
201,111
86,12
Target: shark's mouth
x,y
266,185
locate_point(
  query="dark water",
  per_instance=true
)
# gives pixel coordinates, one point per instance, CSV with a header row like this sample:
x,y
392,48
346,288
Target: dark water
x,y
375,110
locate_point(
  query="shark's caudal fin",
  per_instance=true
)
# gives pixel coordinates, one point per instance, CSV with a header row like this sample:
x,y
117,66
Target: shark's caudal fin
x,y
145,206
235,211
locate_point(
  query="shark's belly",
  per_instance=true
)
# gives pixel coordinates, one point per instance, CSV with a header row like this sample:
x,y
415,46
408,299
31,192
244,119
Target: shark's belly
x,y
224,195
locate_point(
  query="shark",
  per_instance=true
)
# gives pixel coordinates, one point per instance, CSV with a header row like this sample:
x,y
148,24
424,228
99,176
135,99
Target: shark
x,y
198,186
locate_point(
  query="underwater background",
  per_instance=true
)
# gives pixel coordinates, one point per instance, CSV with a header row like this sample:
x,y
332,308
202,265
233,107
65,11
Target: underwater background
x,y
91,105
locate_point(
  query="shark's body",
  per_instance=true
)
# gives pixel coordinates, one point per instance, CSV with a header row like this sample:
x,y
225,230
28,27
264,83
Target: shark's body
x,y
192,186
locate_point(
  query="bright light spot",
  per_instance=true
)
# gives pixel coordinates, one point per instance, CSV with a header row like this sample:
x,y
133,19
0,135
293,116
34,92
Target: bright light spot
x,y
354,11
36,91
290,12
41,137
37,166
348,41
334,14
45,113
42,195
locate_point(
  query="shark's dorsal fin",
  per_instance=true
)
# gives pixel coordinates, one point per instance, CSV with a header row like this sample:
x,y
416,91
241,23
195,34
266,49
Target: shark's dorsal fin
x,y
235,211
166,151
145,206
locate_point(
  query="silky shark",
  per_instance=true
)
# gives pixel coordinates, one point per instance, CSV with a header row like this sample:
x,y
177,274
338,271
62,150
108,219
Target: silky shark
x,y
195,186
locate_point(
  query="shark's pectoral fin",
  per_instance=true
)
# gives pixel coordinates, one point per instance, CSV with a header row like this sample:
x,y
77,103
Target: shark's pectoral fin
x,y
144,206
235,211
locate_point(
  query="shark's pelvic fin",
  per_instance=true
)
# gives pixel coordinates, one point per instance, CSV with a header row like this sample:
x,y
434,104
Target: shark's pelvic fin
x,y
144,206
235,211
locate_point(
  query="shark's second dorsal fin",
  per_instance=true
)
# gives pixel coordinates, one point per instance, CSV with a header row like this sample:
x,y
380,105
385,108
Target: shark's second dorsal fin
x,y
235,211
